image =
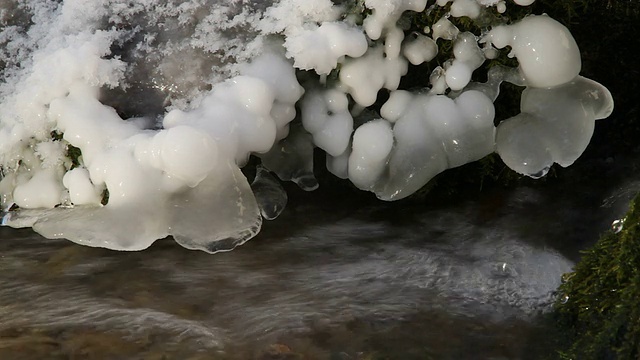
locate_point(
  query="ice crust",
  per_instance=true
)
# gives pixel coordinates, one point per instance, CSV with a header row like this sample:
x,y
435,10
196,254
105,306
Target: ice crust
x,y
123,123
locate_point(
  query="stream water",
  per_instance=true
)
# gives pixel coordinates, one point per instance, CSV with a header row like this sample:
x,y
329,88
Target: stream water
x,y
333,278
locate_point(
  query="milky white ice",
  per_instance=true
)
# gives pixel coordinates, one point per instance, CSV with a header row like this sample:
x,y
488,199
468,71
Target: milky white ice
x,y
126,122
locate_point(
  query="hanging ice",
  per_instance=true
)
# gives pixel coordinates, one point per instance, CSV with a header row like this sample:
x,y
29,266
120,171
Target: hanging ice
x,y
432,134
555,125
292,159
547,53
125,122
270,195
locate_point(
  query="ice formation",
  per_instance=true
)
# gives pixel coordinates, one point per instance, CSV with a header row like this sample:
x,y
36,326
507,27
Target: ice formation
x,y
123,122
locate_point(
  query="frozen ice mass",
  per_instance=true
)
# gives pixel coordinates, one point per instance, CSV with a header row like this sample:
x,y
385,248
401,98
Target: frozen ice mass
x,y
126,122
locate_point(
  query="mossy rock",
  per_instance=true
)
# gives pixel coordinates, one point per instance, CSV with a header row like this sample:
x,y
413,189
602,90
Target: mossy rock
x,y
599,303
598,311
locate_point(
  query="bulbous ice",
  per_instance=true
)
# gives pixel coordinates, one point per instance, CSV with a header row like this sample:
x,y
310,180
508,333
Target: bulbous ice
x,y
385,14
181,152
372,143
81,190
468,8
280,76
325,115
396,105
365,76
555,125
42,190
207,217
419,49
458,75
435,133
546,51
468,57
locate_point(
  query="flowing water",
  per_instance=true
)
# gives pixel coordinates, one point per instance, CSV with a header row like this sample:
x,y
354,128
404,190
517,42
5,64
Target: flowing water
x,y
334,277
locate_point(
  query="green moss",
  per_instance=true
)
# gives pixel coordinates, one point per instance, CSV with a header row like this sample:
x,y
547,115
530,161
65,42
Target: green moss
x,y
56,136
73,153
599,307
105,197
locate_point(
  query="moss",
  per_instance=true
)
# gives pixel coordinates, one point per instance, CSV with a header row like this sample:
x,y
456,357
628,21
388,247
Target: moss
x,y
598,305
73,153
105,197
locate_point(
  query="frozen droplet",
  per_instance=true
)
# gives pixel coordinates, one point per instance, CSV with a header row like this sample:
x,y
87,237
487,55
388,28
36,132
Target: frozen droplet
x,y
617,225
540,173
269,194
566,277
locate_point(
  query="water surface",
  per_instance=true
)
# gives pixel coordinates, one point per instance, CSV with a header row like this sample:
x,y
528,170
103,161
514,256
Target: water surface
x,y
331,278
